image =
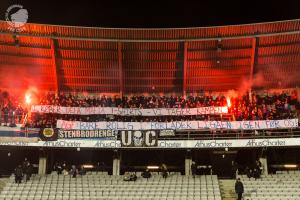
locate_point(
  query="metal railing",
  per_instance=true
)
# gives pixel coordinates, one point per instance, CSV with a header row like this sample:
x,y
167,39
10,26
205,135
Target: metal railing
x,y
234,134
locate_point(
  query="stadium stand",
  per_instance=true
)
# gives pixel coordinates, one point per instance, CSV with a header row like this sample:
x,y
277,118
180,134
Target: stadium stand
x,y
284,185
252,70
103,186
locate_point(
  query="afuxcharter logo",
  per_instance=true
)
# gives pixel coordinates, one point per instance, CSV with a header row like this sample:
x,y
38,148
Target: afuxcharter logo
x,y
265,143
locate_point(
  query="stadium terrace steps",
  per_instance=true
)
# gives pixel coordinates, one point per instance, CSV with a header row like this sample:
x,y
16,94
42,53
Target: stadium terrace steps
x,y
227,189
103,186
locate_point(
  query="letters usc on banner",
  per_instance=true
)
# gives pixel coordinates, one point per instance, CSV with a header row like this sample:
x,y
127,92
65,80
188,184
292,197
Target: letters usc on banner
x,y
179,125
128,111
138,138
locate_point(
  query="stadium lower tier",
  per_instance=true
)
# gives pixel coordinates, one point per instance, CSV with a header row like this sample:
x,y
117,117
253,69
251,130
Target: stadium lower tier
x,y
102,186
283,185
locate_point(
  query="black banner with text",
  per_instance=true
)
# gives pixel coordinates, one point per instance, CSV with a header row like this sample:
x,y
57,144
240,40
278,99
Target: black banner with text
x,y
139,138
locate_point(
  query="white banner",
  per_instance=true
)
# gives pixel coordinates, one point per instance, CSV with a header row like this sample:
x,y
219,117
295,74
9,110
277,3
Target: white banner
x,y
164,144
127,111
179,125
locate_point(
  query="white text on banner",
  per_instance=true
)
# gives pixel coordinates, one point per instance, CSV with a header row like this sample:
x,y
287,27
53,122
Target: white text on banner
x,y
128,111
179,125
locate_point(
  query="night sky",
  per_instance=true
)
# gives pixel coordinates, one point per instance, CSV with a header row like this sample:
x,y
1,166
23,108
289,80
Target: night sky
x,y
163,13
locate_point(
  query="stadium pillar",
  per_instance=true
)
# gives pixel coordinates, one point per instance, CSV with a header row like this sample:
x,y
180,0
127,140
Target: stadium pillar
x,y
264,164
42,164
184,69
121,73
188,162
116,163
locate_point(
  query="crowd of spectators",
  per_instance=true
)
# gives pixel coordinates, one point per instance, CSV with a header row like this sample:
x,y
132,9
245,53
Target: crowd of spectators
x,y
23,171
65,169
11,110
265,107
259,107
133,101
254,171
246,107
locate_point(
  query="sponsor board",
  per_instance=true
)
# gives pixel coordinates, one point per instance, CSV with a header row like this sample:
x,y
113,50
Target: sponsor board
x,y
87,134
164,144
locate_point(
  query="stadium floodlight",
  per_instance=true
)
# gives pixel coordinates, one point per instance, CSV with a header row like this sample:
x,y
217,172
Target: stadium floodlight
x,y
88,166
290,166
152,167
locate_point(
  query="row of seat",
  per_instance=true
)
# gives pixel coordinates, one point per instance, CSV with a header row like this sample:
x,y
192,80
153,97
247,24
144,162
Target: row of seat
x,y
103,186
280,186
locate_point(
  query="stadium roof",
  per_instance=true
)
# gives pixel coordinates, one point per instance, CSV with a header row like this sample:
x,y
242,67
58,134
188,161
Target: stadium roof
x,y
127,60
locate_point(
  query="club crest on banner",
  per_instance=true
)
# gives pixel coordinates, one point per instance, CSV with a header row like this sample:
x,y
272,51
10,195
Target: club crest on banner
x,y
48,134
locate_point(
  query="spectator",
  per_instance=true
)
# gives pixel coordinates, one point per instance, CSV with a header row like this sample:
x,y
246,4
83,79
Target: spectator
x,y
82,171
28,171
248,172
64,165
146,174
5,111
19,113
100,166
58,167
239,188
25,164
258,166
18,174
193,169
164,170
130,176
234,168
65,172
256,174
73,171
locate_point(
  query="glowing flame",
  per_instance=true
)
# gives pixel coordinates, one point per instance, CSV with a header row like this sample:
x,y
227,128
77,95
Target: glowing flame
x,y
28,98
228,102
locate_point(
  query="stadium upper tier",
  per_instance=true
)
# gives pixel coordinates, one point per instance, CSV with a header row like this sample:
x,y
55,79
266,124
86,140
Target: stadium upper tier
x,y
180,60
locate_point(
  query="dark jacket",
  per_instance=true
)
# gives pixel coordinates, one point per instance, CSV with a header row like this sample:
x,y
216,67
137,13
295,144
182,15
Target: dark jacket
x,y
18,172
28,169
146,174
193,168
239,187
